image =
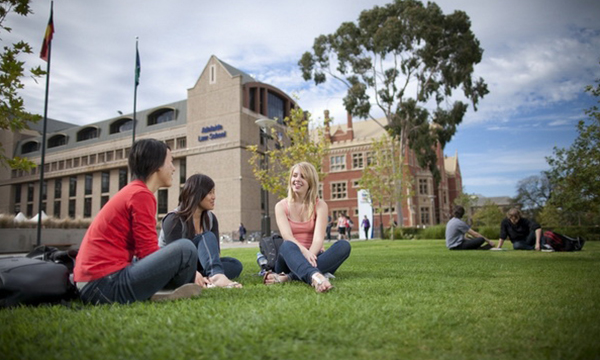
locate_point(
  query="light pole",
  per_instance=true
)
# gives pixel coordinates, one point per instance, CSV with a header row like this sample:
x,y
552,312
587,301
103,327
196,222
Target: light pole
x,y
265,125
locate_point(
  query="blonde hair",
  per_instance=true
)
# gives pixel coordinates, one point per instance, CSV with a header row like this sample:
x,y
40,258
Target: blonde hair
x,y
309,174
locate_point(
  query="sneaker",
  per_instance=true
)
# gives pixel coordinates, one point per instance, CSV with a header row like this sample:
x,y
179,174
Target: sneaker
x,y
486,247
182,292
547,248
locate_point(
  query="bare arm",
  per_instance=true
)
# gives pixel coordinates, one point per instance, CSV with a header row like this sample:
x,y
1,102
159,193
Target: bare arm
x,y
538,237
286,232
475,234
320,225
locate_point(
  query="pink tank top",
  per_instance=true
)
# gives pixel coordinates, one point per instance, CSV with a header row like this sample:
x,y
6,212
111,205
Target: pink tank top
x,y
303,231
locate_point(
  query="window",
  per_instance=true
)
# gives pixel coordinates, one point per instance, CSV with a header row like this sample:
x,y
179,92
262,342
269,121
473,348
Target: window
x,y
101,157
337,163
88,133
181,143
30,192
182,170
357,161
84,160
73,186
424,216
355,183
45,190
30,146
170,143
89,182
161,116
56,208
76,162
87,207
56,141
120,126
369,156
338,190
57,188
321,191
72,208
118,154
423,188
103,200
163,201
122,178
213,74
109,155
105,182
17,193
92,159
276,106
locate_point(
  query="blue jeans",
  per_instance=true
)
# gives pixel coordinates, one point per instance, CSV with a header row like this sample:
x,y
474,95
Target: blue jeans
x,y
210,262
291,261
169,267
526,244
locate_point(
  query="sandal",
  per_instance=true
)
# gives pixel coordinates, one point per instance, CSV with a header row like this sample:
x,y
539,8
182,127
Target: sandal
x,y
276,278
222,278
321,283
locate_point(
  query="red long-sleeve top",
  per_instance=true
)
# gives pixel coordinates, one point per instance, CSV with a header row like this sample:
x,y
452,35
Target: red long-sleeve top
x,y
126,226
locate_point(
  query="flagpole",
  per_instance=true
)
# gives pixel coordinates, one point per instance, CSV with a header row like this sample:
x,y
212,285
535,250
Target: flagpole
x,y
43,159
136,82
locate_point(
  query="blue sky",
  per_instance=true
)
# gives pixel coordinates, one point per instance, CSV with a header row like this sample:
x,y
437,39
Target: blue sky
x,y
538,57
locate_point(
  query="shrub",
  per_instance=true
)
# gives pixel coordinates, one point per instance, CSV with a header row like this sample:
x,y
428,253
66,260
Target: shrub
x,y
433,232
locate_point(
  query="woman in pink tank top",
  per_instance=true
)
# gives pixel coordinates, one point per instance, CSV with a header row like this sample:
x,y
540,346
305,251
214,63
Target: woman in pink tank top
x,y
302,219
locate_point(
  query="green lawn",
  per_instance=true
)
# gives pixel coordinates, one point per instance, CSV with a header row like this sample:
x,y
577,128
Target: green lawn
x,y
392,300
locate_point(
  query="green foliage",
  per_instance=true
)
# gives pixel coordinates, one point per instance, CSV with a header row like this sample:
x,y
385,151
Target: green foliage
x,y
433,232
491,232
549,216
574,171
490,214
388,51
425,302
533,192
13,116
295,146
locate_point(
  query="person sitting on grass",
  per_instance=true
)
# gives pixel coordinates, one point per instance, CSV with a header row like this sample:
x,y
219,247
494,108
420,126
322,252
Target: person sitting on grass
x,y
302,219
125,229
193,219
457,230
524,234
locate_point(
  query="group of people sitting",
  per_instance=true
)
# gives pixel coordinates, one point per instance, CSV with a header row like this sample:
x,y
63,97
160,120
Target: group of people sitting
x,y
123,260
525,234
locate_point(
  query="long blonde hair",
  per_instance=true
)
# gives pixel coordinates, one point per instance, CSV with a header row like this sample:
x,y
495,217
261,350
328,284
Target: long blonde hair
x,y
309,173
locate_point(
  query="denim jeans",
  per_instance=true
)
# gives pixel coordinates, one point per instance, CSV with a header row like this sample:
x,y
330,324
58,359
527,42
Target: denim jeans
x,y
169,267
291,261
210,263
470,244
527,244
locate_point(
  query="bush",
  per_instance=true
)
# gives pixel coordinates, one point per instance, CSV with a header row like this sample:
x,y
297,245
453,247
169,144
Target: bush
x,y
402,233
490,232
433,232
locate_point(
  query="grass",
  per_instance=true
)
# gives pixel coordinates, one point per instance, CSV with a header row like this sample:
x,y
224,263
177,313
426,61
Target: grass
x,y
392,300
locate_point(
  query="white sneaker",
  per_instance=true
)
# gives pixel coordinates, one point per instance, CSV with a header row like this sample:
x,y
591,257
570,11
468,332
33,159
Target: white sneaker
x,y
182,292
547,248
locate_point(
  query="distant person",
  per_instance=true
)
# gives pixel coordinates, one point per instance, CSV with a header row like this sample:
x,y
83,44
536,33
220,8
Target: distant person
x,y
302,219
242,233
524,234
458,230
349,226
341,226
124,229
193,219
328,228
366,225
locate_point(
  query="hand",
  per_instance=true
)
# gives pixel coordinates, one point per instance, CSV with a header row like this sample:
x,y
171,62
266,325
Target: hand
x,y
491,243
312,258
201,280
538,247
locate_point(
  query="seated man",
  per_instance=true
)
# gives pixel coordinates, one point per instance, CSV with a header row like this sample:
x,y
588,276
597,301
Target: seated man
x,y
524,234
456,230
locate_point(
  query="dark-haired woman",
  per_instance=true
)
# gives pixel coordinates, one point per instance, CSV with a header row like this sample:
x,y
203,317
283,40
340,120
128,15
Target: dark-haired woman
x,y
193,219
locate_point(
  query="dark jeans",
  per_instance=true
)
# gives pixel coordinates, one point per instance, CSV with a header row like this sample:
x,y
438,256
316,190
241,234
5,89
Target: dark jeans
x,y
367,233
526,244
470,244
169,267
291,261
209,261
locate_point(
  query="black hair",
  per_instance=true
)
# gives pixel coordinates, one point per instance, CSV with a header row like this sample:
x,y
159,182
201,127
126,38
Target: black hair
x,y
146,157
194,190
458,211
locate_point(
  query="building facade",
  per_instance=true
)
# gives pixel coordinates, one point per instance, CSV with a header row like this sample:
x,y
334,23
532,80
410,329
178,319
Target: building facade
x,y
348,156
207,133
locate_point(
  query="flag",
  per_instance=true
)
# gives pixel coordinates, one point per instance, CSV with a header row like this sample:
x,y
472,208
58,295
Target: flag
x,y
47,38
138,67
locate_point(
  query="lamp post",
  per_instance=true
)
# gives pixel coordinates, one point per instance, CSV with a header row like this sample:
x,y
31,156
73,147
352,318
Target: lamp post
x,y
265,125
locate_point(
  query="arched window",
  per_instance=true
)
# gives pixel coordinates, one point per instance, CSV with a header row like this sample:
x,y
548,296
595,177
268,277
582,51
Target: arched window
x,y
87,133
121,125
276,107
57,140
30,146
161,116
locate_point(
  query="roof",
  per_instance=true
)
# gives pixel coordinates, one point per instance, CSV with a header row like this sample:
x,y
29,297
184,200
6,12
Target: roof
x,y
234,72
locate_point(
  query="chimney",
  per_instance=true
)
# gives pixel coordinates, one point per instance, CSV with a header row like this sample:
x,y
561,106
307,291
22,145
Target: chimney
x,y
350,131
327,128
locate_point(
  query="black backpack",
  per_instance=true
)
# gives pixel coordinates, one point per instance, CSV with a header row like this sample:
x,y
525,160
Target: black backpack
x,y
269,247
560,242
42,277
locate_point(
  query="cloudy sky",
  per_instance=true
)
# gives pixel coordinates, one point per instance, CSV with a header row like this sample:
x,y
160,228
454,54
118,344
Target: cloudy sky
x,y
538,57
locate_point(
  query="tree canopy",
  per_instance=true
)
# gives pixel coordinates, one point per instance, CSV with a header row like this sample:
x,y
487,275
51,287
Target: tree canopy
x,y
13,116
407,59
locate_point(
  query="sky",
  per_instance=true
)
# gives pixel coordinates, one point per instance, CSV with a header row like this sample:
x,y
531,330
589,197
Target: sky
x,y
538,57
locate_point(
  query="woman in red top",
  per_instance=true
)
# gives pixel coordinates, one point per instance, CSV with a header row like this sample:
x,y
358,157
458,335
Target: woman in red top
x,y
125,229
302,219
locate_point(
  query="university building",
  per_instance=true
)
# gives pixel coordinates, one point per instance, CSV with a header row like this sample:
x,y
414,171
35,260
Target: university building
x,y
348,155
208,133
